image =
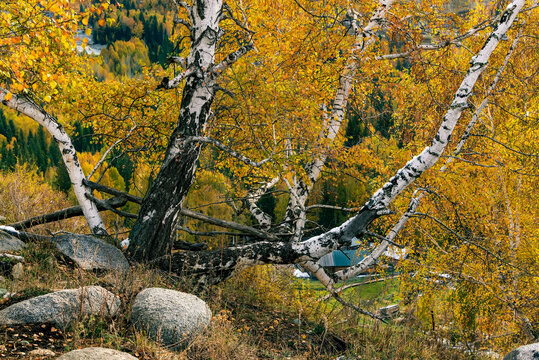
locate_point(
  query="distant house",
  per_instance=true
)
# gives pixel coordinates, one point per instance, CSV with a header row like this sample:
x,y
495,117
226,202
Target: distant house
x,y
341,259
350,256
346,257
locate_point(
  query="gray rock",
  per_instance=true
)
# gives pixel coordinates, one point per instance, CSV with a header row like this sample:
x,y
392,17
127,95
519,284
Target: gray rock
x,y
90,253
42,352
9,242
62,308
388,312
525,352
96,353
168,316
17,271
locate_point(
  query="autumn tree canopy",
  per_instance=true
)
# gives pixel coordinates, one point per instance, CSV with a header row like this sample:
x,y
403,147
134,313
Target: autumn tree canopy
x,y
423,114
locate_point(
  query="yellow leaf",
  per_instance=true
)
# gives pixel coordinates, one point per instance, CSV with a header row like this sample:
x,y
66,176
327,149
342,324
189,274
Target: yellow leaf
x,y
47,98
20,87
85,21
88,31
101,22
8,96
52,84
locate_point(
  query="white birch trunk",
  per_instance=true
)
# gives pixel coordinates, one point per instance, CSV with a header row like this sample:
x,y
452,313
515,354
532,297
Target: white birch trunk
x,y
430,155
333,122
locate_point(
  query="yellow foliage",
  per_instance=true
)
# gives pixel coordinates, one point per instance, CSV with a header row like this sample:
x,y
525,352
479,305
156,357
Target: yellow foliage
x,y
24,194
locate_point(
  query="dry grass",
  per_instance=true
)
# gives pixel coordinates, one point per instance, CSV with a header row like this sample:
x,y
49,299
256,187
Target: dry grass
x,y
24,194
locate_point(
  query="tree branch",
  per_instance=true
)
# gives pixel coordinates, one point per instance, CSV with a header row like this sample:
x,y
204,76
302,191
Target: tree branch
x,y
232,58
228,224
168,84
67,213
484,103
105,205
455,41
223,147
111,191
106,153
430,155
295,210
264,220
189,213
371,259
322,206
349,286
505,146
209,233
318,271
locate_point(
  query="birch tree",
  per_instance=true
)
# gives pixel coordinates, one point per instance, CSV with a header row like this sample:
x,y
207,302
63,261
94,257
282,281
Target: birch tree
x,y
209,60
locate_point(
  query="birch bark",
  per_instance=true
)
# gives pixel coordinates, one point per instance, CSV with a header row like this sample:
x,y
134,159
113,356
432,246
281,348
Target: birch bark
x,y
69,156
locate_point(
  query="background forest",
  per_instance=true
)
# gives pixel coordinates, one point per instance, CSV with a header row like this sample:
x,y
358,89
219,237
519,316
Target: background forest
x,y
466,274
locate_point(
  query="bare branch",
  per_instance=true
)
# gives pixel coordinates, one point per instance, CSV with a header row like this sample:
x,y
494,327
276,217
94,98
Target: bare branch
x,y
67,213
505,146
106,153
208,233
466,161
383,238
349,286
223,147
228,224
184,245
189,213
322,206
244,26
111,191
429,47
371,259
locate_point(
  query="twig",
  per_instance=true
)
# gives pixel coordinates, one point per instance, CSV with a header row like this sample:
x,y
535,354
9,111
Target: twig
x,y
228,150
